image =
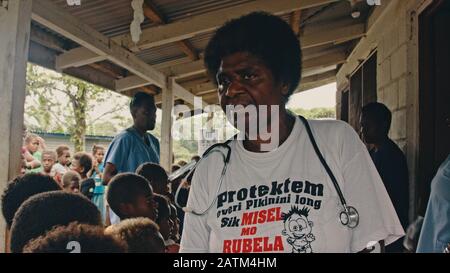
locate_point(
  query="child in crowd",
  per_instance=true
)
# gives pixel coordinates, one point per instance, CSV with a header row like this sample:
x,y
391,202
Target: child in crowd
x,y
71,182
62,166
32,143
42,212
82,164
130,195
97,174
48,160
165,223
175,236
156,175
141,235
88,238
20,189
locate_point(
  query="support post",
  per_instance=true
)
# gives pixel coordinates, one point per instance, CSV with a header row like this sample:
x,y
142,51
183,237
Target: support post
x,y
15,22
166,126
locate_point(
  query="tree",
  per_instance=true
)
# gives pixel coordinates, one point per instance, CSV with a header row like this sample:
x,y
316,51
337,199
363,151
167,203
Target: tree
x,y
316,113
60,103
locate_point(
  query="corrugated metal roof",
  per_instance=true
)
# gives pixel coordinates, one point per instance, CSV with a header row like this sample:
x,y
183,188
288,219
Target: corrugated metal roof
x,y
113,17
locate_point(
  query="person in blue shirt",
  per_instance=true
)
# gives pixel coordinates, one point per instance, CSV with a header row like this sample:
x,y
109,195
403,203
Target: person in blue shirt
x,y
389,160
133,146
435,234
96,173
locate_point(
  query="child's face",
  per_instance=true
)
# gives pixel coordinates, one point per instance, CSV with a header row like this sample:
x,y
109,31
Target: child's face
x,y
74,186
76,167
33,145
166,227
99,155
47,162
64,159
144,206
176,224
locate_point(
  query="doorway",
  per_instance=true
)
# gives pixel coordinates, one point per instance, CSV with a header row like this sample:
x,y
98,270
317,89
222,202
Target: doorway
x,y
434,95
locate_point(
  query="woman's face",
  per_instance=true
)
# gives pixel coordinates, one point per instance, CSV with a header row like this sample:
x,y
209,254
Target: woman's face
x,y
33,145
166,227
65,158
74,186
75,166
99,154
244,79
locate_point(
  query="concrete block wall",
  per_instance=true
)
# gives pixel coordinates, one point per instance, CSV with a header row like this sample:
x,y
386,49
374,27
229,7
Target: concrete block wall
x,y
394,35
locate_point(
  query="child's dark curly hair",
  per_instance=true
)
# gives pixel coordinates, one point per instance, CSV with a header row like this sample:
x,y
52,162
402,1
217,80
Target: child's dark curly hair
x,y
76,237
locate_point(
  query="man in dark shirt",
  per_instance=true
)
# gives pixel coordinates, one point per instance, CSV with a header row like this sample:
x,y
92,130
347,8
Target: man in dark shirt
x,y
389,160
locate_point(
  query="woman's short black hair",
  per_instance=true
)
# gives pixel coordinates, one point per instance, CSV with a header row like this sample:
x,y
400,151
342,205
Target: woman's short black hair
x,y
23,187
263,35
124,188
44,211
88,239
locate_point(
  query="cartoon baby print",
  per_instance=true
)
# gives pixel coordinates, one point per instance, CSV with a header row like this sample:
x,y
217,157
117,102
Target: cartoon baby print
x,y
298,230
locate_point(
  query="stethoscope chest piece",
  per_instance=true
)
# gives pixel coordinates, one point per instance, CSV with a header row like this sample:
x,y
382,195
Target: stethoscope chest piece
x,y
349,217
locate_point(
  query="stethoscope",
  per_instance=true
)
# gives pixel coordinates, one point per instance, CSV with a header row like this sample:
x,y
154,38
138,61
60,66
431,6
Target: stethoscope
x,y
349,216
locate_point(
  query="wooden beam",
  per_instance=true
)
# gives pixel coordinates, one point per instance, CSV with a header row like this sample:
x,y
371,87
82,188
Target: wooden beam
x,y
188,49
45,39
316,84
152,13
194,25
77,57
55,18
185,29
319,77
200,88
130,82
185,70
15,22
332,35
325,60
91,75
175,71
295,21
41,55
181,92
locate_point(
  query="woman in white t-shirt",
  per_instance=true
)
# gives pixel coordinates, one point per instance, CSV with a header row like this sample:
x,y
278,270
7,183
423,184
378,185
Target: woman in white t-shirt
x,y
276,195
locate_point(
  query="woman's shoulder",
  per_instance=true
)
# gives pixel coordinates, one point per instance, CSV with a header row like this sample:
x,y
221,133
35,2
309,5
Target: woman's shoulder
x,y
332,130
337,137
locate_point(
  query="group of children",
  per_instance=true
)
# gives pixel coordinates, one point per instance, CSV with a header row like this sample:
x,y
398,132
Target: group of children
x,y
67,202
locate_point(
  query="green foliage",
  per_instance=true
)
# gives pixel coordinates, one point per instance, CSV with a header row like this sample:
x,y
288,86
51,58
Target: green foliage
x,y
316,113
60,103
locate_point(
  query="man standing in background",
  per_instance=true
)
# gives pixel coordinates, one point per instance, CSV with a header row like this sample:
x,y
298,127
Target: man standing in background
x,y
134,146
388,159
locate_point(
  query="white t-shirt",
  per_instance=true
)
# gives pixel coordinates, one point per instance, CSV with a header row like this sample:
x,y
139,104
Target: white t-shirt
x,y
58,168
284,200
